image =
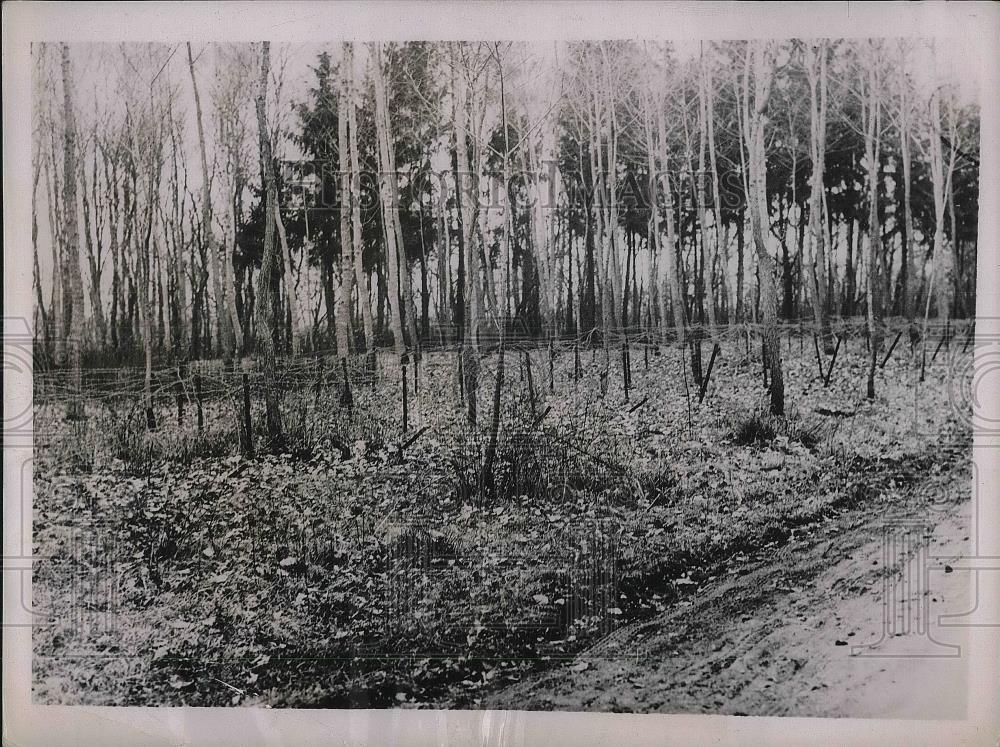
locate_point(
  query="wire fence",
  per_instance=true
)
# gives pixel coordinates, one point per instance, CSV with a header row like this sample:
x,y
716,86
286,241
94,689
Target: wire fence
x,y
211,380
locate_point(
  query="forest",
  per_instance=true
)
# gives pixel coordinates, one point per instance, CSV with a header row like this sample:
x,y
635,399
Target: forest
x,y
381,374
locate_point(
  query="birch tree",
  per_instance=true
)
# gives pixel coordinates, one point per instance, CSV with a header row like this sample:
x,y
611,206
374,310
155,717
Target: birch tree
x,y
71,257
816,64
224,331
387,202
872,113
265,302
344,205
360,277
761,53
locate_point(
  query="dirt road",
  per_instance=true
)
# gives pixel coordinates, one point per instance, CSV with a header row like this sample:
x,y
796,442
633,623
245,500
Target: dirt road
x,y
837,622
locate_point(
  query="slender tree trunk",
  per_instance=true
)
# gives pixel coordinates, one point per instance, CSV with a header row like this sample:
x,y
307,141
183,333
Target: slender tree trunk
x,y
816,71
670,254
874,243
223,335
346,201
942,258
721,243
265,286
707,255
470,293
387,200
360,276
763,78
295,331
906,270
740,268
71,232
93,262
41,324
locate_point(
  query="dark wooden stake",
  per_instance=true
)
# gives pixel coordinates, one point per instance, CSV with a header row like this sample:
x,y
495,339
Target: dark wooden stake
x,y
708,373
406,414
819,359
941,342
891,348
412,439
829,371
247,423
969,336
179,393
625,370
552,366
541,417
638,404
197,400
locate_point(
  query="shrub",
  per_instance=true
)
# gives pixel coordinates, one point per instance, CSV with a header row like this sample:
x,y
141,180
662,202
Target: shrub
x,y
755,428
760,428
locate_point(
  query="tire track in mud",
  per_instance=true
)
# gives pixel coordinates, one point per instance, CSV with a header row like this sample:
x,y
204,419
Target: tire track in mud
x,y
772,635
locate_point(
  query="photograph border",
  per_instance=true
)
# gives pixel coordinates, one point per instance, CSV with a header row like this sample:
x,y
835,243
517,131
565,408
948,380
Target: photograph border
x,y
976,24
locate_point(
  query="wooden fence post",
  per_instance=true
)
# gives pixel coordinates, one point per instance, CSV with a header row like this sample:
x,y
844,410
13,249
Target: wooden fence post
x,y
552,354
406,421
891,348
247,422
197,399
179,393
829,371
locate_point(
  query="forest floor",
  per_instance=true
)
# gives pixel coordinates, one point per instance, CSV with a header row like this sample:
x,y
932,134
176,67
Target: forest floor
x,y
343,571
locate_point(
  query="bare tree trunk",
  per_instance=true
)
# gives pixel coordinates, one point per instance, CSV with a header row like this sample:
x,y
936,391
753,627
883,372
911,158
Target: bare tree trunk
x,y
952,278
144,278
387,201
360,277
721,243
652,148
763,77
56,300
71,260
673,275
470,344
265,304
288,282
491,449
908,304
942,263
707,256
874,243
346,199
443,252
93,259
816,73
41,324
224,333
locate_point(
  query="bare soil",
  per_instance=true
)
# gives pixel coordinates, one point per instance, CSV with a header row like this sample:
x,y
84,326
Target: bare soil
x,y
800,631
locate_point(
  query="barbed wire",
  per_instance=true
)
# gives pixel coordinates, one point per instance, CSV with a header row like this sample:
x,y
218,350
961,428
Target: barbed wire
x,y
215,379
